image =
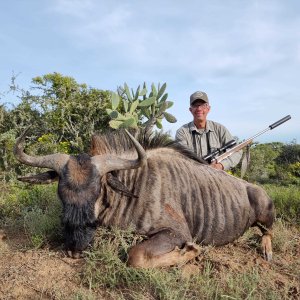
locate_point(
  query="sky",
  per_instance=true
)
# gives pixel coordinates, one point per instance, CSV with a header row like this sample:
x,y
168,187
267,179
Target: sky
x,y
244,54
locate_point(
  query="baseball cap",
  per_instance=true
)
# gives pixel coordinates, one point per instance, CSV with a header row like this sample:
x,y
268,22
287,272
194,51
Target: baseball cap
x,y
198,96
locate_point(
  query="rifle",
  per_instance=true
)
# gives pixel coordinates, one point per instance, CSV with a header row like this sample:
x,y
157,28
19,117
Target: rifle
x,y
211,156
217,159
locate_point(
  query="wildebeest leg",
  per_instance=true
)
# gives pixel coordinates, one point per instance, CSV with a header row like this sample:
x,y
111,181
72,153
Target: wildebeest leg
x,y
264,218
266,242
264,222
264,213
162,249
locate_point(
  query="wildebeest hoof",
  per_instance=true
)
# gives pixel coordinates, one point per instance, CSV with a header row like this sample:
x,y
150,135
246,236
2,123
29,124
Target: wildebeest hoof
x,y
2,235
268,256
190,246
75,254
266,247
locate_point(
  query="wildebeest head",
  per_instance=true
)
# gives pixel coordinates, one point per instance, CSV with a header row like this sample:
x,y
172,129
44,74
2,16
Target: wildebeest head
x,y
78,186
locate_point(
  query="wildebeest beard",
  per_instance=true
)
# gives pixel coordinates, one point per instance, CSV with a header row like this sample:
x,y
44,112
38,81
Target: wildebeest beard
x,y
78,189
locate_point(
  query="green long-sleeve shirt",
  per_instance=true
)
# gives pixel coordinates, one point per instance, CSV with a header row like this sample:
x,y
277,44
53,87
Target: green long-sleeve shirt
x,y
197,140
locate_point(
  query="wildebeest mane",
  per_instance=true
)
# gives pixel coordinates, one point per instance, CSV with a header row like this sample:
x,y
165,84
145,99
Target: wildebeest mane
x,y
118,142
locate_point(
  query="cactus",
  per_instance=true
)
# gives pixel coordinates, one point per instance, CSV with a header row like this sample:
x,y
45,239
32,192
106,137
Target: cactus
x,y
136,109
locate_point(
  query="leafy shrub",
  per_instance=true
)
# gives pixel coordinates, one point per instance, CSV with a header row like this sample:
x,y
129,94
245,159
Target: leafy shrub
x,y
43,225
294,169
33,208
287,201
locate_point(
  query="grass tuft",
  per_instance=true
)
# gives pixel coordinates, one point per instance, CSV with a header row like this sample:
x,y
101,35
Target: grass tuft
x,y
35,209
286,200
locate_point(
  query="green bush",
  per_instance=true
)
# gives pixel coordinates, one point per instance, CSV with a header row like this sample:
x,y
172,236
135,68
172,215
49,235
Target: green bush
x,y
35,209
43,225
19,197
286,200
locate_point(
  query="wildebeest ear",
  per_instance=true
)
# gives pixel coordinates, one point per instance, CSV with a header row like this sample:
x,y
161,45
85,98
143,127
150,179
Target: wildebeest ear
x,y
42,178
118,186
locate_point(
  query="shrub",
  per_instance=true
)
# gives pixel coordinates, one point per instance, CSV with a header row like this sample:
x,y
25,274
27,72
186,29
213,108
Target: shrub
x,y
286,200
34,209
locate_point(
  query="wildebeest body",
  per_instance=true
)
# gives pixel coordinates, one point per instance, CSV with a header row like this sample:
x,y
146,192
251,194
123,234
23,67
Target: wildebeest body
x,y
173,198
200,202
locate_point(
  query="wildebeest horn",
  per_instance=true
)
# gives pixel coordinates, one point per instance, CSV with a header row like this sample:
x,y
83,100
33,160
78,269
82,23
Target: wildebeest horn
x,y
52,161
109,163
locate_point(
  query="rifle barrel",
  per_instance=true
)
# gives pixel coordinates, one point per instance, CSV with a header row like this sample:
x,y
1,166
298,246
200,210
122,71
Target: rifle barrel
x,y
286,118
248,141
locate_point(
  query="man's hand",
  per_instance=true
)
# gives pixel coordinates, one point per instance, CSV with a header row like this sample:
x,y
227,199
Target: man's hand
x,y
217,166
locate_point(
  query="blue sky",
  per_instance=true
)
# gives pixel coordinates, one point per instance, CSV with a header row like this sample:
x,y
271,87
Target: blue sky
x,y
244,54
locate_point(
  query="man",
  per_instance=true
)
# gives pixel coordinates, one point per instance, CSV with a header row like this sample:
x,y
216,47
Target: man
x,y
204,136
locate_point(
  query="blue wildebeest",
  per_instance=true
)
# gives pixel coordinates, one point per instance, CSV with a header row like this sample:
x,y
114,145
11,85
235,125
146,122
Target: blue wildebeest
x,y
166,193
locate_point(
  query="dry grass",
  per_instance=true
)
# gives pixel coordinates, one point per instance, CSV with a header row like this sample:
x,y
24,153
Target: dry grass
x,y
235,271
34,266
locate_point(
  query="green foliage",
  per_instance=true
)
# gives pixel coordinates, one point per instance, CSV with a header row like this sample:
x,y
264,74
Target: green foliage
x,y
288,164
18,198
63,114
290,154
294,169
262,161
273,163
137,109
42,225
10,122
45,144
7,141
35,209
72,112
286,200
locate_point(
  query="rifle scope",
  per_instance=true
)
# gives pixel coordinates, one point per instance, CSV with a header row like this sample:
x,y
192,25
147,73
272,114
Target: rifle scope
x,y
209,157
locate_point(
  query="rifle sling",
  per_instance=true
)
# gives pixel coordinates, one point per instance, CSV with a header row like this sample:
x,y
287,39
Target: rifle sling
x,y
207,141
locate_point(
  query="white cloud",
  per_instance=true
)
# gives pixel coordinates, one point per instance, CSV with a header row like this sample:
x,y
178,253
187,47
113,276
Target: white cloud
x,y
247,45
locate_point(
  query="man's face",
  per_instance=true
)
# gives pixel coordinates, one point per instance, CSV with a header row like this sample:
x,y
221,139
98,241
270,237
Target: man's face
x,y
199,110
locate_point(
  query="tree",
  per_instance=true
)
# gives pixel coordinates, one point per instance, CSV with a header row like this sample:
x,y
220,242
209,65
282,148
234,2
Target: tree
x,y
288,162
63,115
290,154
262,162
72,111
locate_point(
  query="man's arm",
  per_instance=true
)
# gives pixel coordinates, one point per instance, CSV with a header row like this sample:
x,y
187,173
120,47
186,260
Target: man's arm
x,y
181,137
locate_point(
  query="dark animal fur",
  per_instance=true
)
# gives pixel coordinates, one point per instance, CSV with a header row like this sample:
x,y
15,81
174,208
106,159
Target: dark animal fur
x,y
79,194
118,142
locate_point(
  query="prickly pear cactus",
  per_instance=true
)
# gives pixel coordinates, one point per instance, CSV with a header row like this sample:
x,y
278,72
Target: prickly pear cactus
x,y
131,109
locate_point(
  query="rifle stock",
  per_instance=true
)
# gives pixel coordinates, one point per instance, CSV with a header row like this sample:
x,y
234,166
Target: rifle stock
x,y
240,146
228,153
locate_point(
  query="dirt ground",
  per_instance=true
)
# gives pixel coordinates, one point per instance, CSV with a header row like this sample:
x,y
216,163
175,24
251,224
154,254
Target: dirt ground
x,y
48,274
39,274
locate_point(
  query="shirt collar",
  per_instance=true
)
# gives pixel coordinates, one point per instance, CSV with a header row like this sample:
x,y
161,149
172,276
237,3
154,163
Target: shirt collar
x,y
209,126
